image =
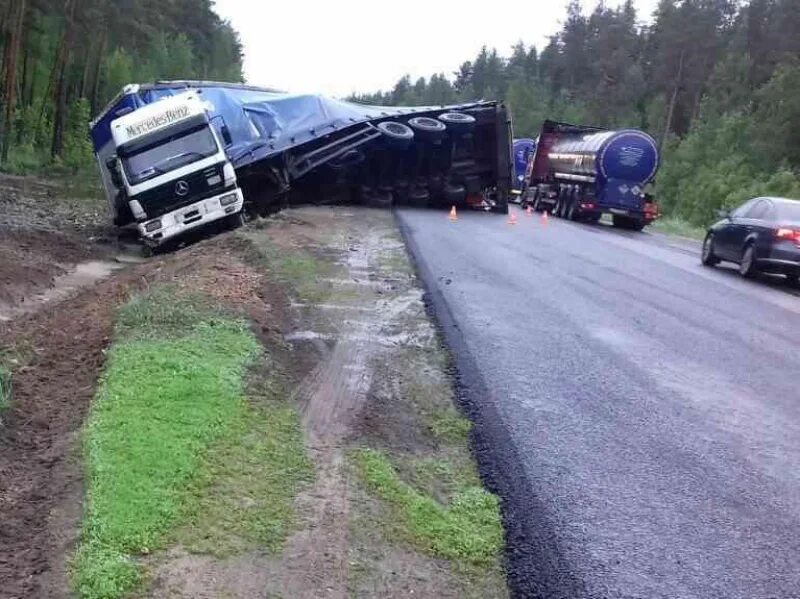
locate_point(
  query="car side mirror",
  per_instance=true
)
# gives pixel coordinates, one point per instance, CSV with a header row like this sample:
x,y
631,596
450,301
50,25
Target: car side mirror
x,y
724,213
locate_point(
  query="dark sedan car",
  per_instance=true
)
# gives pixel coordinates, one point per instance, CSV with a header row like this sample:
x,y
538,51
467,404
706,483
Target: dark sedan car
x,y
761,235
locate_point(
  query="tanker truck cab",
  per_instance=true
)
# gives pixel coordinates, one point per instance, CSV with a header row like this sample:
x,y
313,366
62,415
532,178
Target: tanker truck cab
x,y
170,167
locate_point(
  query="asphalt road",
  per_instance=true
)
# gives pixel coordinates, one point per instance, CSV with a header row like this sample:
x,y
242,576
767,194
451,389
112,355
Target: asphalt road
x,y
638,413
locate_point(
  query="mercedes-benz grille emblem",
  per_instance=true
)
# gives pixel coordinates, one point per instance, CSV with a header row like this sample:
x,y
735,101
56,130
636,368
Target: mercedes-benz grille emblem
x,y
181,188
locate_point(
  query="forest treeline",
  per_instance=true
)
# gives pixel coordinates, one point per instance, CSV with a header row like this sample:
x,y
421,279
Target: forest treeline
x,y
62,60
717,82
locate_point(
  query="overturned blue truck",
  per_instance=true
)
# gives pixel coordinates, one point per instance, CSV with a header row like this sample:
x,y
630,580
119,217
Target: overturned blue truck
x,y
177,155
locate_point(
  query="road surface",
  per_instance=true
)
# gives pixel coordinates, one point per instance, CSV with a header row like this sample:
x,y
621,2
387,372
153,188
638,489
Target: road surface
x,y
638,413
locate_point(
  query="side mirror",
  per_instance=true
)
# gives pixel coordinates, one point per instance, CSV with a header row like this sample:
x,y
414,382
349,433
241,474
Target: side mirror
x,y
113,170
724,213
226,135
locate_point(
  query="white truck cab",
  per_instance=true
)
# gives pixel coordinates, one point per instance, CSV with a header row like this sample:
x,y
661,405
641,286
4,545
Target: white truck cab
x,y
169,172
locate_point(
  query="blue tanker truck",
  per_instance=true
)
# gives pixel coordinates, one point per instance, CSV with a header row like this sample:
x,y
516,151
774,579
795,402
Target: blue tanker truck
x,y
580,173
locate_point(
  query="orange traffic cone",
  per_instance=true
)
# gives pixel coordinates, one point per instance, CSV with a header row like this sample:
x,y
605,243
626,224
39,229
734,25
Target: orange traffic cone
x,y
529,210
512,218
544,217
453,216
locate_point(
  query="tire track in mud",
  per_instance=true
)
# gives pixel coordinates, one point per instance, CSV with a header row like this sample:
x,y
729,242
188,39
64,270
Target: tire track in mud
x,y
332,398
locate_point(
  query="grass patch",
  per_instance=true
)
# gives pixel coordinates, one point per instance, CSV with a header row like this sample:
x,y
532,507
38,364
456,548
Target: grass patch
x,y
448,425
244,498
5,388
467,529
297,268
162,404
677,226
163,313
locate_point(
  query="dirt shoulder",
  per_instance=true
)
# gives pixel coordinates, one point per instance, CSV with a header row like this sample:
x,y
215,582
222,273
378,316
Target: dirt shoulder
x,y
347,475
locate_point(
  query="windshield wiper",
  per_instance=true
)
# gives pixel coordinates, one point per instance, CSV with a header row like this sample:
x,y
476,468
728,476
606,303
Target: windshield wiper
x,y
170,159
148,172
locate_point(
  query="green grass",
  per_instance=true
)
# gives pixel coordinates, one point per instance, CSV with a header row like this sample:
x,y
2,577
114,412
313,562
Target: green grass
x,y
297,268
163,403
448,425
244,498
677,226
5,388
467,529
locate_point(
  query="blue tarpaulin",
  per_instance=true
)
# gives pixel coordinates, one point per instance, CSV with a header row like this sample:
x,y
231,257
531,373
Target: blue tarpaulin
x,y
261,122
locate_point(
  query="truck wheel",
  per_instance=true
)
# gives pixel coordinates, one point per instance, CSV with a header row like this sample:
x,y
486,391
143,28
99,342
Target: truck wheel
x,y
458,121
396,133
427,126
234,221
572,211
537,201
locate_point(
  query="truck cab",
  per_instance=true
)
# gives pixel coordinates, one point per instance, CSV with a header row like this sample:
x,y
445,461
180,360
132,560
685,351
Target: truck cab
x,y
167,170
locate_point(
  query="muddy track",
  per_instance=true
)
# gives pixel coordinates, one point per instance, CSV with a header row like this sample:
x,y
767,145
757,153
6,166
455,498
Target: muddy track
x,y
39,460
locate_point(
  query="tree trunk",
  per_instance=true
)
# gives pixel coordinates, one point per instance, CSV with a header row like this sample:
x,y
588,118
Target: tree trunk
x,y
672,101
58,80
97,70
12,53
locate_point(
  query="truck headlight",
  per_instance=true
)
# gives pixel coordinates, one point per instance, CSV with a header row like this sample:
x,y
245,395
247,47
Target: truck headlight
x,y
228,199
153,225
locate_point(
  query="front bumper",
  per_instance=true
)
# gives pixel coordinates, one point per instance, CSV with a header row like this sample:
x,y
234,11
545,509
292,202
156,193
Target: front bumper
x,y
190,217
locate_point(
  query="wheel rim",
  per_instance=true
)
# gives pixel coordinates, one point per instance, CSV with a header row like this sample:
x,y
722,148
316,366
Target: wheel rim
x,y
747,260
707,247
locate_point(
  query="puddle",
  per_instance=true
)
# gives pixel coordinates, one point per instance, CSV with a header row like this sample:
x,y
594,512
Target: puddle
x,y
82,275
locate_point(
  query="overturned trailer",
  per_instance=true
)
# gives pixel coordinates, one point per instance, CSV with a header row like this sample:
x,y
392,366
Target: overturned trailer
x,y
171,153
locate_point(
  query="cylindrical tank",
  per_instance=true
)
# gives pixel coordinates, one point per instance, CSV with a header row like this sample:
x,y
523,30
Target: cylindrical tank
x,y
627,155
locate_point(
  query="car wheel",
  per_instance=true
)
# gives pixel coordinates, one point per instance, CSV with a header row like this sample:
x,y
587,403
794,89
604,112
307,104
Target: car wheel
x,y
708,257
747,267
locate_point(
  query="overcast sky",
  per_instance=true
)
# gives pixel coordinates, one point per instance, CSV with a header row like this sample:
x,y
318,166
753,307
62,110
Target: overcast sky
x,y
337,47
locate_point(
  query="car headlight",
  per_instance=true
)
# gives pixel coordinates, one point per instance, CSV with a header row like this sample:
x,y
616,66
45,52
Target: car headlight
x,y
153,225
228,199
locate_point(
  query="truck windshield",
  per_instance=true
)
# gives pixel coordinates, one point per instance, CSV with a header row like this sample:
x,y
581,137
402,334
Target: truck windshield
x,y
169,154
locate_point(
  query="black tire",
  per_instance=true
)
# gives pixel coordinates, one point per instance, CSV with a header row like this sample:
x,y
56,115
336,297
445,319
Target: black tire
x,y
458,121
636,224
747,266
572,210
396,133
427,127
708,257
793,279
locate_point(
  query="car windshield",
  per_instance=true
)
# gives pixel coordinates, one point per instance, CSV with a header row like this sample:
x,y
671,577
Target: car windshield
x,y
169,154
789,211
